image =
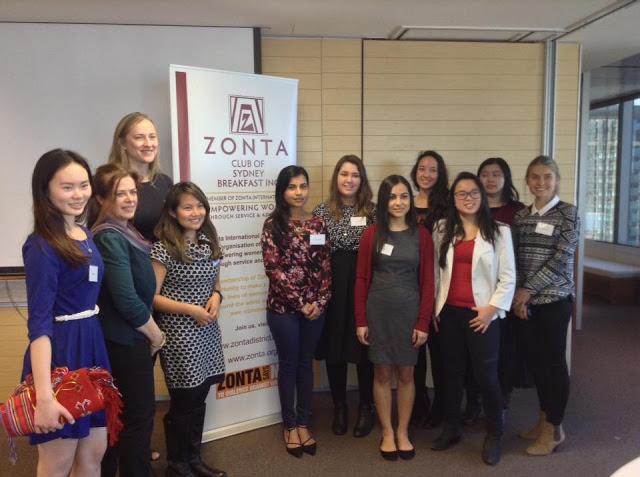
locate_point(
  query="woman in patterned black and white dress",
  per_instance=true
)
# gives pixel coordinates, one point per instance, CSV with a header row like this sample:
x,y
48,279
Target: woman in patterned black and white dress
x,y
186,262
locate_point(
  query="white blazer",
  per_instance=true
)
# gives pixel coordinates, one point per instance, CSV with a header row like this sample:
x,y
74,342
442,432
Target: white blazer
x,y
493,271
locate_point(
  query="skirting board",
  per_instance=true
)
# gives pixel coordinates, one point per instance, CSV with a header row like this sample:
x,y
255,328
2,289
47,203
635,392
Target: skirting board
x,y
241,427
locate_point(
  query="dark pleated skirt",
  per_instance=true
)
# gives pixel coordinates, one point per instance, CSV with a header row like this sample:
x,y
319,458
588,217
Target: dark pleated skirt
x,y
339,343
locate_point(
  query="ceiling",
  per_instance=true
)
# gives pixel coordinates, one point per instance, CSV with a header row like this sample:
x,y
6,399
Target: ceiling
x,y
608,39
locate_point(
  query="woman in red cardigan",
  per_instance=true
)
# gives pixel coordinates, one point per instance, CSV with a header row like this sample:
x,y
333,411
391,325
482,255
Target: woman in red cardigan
x,y
394,298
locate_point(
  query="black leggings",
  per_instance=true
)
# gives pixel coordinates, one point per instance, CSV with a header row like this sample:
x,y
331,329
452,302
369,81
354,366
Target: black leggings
x,y
337,374
547,328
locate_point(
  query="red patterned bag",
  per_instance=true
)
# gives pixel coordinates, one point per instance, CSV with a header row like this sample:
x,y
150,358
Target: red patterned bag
x,y
82,392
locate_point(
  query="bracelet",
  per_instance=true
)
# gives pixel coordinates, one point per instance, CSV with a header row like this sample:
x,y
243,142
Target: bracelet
x,y
219,293
163,341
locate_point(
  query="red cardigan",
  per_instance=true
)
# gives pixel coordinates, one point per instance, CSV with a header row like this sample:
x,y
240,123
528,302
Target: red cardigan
x,y
364,272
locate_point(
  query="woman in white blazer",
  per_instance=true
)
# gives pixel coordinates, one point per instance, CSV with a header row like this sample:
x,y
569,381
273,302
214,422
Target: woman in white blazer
x,y
475,275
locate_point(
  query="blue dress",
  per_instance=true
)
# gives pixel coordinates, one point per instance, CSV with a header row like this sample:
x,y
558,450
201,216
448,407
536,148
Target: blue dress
x,y
55,288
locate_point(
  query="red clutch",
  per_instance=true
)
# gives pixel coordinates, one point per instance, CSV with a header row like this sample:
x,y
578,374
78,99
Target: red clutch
x,y
82,392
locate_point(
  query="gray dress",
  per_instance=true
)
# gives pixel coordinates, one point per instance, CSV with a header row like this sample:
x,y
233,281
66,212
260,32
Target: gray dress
x,y
393,301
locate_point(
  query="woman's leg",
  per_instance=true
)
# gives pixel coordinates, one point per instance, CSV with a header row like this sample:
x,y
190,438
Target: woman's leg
x,y
56,457
405,397
285,330
337,374
89,453
436,413
364,424
422,401
382,397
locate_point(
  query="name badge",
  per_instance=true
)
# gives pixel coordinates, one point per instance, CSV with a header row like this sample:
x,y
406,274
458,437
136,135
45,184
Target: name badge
x,y
387,249
544,228
358,221
93,273
316,239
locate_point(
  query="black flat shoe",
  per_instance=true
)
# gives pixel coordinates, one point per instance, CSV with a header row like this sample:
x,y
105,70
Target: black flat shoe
x,y
200,469
364,424
448,438
296,449
407,454
388,455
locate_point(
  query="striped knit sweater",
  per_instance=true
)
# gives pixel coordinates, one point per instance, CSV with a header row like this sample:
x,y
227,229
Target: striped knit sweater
x,y
545,262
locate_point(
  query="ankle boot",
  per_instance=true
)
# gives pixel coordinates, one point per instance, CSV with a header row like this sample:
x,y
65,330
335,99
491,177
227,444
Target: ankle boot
x,y
340,418
449,437
492,446
198,467
534,433
176,438
364,424
549,440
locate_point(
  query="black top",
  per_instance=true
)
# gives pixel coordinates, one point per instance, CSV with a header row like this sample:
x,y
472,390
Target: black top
x,y
151,197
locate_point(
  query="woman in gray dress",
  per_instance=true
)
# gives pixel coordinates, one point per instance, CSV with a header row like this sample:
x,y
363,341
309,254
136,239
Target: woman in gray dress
x,y
394,298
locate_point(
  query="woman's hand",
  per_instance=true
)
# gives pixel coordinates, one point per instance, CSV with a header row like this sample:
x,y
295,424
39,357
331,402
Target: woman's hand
x,y
418,338
213,306
482,321
362,332
49,415
436,323
311,311
201,316
520,302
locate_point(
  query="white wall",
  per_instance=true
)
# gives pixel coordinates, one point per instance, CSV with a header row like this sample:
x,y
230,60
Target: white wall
x,y
64,85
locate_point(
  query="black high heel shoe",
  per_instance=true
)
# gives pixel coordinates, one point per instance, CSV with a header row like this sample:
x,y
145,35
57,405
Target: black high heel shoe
x,y
297,449
309,448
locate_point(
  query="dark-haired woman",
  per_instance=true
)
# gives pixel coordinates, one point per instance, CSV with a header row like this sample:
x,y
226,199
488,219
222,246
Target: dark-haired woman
x,y
63,273
429,175
132,335
297,261
476,282
346,214
394,303
546,236
495,175
186,262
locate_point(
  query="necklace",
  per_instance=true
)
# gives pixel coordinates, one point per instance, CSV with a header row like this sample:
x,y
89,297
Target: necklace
x,y
87,246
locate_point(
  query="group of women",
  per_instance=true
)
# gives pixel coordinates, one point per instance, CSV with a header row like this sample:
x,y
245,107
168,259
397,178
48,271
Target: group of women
x,y
468,271
350,282
109,296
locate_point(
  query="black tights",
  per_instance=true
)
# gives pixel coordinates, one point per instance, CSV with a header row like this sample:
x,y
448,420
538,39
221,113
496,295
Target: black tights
x,y
337,374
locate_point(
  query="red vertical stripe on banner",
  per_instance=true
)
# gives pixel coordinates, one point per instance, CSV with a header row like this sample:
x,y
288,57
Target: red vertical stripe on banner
x,y
184,158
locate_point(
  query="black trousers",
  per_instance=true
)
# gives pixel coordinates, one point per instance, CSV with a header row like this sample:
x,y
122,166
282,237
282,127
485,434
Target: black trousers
x,y
337,374
437,372
132,369
458,342
546,353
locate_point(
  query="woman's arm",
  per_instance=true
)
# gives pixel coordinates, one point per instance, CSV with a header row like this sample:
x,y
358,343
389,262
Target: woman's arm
x,y
506,285
363,275
427,287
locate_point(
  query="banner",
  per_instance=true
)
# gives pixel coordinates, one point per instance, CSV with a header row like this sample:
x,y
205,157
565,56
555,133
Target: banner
x,y
231,135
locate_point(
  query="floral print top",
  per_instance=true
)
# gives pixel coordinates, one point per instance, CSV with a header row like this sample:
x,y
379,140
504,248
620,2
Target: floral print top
x,y
299,272
343,235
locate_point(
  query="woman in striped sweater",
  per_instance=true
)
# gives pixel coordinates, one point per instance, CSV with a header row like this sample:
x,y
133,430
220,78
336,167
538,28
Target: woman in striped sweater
x,y
546,235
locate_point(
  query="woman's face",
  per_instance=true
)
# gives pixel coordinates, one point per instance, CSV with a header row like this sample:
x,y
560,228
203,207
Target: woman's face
x,y
399,201
427,173
125,200
70,190
348,180
467,197
492,179
297,192
190,212
141,142
542,182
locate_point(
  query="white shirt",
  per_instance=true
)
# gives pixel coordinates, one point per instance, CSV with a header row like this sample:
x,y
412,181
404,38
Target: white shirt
x,y
550,205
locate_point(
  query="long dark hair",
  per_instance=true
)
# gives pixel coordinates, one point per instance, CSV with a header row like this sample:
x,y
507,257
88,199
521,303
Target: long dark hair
x,y
382,209
280,215
439,191
48,221
171,233
452,228
363,205
509,191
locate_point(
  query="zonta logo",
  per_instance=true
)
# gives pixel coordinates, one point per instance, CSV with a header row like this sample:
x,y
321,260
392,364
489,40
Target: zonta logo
x,y
246,115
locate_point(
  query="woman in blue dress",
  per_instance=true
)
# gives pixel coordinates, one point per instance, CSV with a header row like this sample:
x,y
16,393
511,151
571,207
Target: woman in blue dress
x,y
63,274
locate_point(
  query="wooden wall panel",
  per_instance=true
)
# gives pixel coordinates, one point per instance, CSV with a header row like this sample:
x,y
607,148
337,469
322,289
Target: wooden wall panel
x,y
469,101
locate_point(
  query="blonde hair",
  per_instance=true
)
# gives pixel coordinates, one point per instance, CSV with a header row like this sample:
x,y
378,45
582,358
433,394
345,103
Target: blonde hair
x,y
548,162
118,154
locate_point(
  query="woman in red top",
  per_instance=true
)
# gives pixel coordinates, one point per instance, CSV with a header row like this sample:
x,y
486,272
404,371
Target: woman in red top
x,y
393,305
476,282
